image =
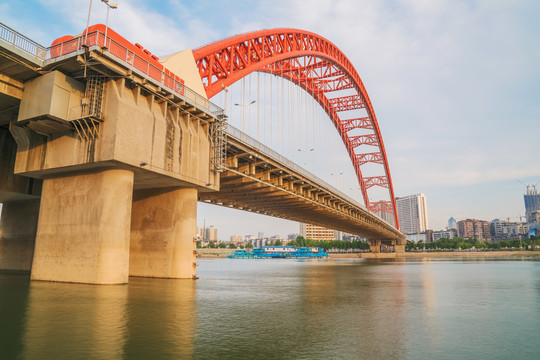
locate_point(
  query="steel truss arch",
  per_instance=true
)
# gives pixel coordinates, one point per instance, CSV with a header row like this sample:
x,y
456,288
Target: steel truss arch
x,y
318,66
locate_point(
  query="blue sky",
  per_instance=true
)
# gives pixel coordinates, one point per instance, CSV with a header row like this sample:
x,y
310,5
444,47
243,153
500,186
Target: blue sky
x,y
455,84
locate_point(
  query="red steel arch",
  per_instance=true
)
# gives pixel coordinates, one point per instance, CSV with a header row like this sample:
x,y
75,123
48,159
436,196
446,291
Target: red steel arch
x,y
318,66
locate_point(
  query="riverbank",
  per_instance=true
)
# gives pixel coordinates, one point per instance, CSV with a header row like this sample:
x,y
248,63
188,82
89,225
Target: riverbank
x,y
440,254
221,253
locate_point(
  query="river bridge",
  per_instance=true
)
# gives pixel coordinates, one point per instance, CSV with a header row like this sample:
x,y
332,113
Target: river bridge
x,y
106,149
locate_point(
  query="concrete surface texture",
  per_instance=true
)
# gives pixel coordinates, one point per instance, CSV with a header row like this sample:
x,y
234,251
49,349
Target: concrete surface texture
x,y
163,225
84,228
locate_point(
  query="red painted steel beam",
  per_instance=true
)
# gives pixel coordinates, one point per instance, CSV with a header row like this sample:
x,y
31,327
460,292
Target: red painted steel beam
x,y
357,123
375,181
376,158
310,61
346,103
370,139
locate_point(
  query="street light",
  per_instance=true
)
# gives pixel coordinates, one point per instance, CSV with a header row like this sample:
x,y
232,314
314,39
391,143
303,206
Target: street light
x,y
243,106
109,6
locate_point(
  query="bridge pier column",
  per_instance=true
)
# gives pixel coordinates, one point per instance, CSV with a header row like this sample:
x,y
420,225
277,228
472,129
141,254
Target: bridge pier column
x,y
163,225
399,248
83,228
18,226
375,246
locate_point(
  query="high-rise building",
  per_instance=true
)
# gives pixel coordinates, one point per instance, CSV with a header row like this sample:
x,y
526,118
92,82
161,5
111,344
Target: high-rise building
x,y
211,234
473,228
412,213
452,223
314,232
506,230
532,202
236,239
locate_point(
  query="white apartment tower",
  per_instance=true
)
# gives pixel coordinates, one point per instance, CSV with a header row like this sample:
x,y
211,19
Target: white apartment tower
x,y
412,213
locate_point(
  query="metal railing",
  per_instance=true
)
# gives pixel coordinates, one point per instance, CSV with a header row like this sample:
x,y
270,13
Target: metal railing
x,y
246,139
22,43
158,74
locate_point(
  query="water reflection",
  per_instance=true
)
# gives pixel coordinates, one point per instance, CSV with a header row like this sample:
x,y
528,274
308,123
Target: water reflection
x,y
161,317
13,303
249,309
77,321
74,321
359,308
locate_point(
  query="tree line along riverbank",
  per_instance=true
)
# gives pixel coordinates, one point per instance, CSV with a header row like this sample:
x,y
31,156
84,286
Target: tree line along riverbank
x,y
456,247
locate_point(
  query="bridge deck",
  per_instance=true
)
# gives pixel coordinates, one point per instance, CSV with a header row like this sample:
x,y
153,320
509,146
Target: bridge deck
x,y
259,180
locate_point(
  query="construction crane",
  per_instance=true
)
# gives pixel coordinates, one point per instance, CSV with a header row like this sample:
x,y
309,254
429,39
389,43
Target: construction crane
x,y
533,192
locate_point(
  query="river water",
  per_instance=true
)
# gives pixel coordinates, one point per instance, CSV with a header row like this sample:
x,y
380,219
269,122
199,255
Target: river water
x,y
284,309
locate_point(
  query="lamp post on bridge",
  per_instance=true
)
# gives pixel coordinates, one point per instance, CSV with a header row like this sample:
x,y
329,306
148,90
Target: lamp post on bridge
x,y
307,156
244,112
337,177
109,6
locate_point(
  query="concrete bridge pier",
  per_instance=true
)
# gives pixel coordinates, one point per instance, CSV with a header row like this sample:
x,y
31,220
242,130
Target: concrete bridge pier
x,y
20,198
18,226
84,228
375,246
163,226
378,246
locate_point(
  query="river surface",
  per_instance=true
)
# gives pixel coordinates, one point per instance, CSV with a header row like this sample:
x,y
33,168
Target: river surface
x,y
284,309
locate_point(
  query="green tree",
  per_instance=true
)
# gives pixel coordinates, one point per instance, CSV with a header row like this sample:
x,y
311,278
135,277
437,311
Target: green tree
x,y
232,245
278,243
249,246
222,245
211,245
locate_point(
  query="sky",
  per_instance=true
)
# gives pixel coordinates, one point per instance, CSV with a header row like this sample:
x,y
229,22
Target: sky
x,y
455,84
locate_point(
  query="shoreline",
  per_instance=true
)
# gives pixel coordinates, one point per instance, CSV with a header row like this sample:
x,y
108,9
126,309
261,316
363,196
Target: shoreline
x,y
222,253
440,254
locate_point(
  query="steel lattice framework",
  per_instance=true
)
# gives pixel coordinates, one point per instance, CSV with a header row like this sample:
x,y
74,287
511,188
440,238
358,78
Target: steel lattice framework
x,y
318,66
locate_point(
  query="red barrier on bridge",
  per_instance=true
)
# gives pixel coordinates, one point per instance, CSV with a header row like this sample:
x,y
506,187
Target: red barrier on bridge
x,y
134,54
315,64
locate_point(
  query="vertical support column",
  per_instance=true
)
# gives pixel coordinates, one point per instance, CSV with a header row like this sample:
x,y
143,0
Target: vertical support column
x,y
163,225
375,246
398,247
18,226
83,228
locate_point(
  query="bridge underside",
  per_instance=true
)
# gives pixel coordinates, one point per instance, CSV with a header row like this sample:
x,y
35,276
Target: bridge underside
x,y
257,182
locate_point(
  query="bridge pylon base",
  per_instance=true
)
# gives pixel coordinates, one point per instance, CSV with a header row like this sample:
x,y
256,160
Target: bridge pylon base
x,y
386,246
83,228
163,226
375,246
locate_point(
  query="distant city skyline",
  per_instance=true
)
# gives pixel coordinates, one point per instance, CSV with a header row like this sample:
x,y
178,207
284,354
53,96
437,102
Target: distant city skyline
x,y
458,111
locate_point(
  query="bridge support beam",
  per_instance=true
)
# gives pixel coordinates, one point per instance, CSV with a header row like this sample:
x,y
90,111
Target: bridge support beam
x,y
83,228
18,226
163,226
375,246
